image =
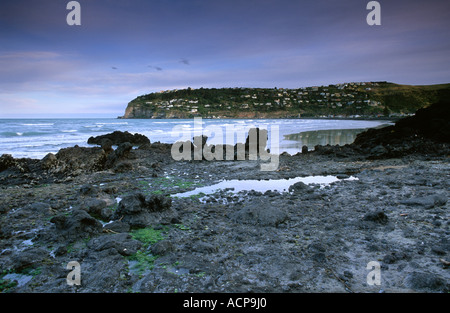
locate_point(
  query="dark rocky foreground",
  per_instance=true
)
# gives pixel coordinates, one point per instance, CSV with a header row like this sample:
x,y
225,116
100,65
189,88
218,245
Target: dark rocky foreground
x,y
110,210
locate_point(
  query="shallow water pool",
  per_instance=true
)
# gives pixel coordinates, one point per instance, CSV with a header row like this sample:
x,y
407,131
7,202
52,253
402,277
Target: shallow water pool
x,y
280,185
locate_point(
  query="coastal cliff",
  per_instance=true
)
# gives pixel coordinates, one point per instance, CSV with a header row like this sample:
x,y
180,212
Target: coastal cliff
x,y
347,100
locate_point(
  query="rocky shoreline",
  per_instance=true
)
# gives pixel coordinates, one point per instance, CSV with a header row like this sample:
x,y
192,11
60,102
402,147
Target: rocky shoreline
x,y
116,213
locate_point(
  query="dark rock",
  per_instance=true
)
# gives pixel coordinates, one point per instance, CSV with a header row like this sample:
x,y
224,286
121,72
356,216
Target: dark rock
x,y
106,214
305,149
348,274
131,204
426,282
137,210
6,161
436,223
115,159
97,208
427,202
299,187
316,247
269,193
440,199
395,256
77,160
319,257
378,150
28,258
442,247
260,213
377,216
438,250
432,122
61,250
123,149
22,165
427,132
94,205
123,243
119,137
49,161
106,145
89,190
325,150
78,225
162,247
40,207
158,203
117,226
104,270
123,167
204,247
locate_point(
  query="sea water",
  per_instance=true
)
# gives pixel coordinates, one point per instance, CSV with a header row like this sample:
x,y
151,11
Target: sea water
x,y
34,138
280,185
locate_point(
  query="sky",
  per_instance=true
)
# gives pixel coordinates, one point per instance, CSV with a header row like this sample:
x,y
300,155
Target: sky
x,y
124,49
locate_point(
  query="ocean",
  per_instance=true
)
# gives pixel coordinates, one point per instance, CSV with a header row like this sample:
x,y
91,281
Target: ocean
x,y
34,138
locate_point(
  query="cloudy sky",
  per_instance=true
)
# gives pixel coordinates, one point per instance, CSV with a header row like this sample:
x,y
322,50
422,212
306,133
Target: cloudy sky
x,y
123,49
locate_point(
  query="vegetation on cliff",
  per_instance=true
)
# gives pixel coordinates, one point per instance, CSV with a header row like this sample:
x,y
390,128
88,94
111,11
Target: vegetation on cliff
x,y
351,100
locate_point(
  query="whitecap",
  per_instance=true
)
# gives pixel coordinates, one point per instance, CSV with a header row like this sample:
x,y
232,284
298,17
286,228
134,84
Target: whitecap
x,y
39,124
122,123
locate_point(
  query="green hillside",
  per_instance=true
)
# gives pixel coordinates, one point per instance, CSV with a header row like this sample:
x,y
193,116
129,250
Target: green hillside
x,y
347,100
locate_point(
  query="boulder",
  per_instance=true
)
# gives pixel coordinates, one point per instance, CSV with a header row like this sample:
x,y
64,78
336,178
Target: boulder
x,y
305,149
115,158
139,211
118,137
77,159
300,187
23,165
6,161
123,149
97,208
117,227
49,161
77,225
29,258
162,247
123,243
377,216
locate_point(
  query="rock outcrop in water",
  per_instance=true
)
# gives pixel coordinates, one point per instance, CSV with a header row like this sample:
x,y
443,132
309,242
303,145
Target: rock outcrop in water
x,y
118,137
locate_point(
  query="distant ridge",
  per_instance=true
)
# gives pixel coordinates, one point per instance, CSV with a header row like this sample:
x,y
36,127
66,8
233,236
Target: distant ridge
x,y
344,100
